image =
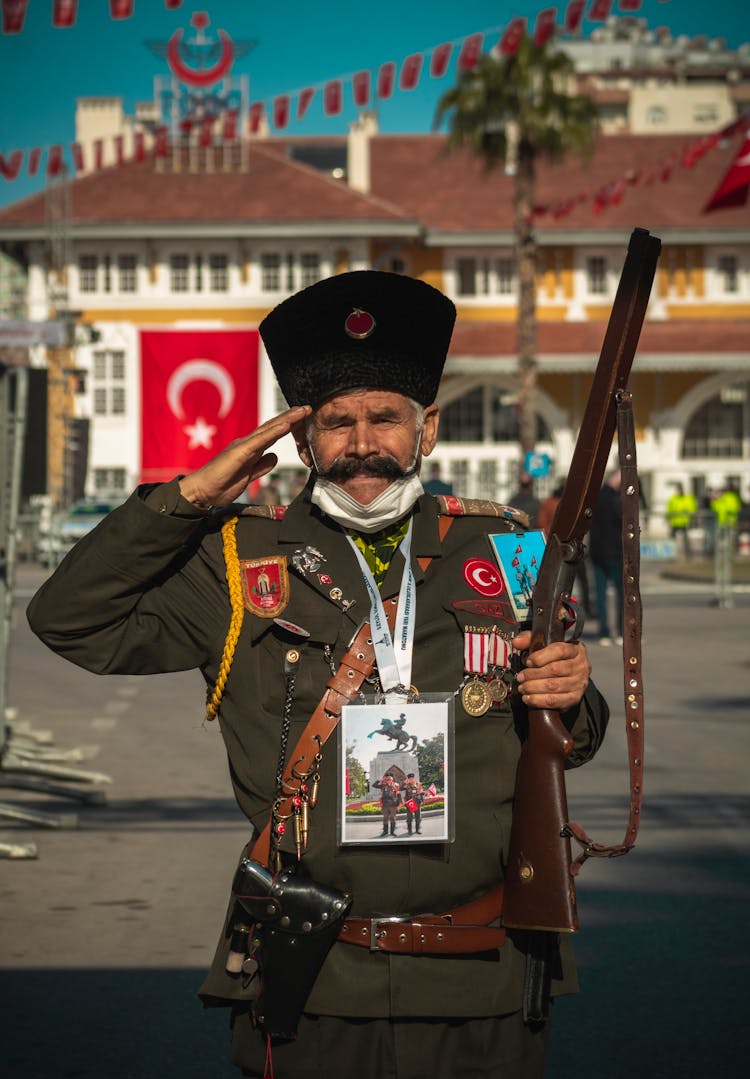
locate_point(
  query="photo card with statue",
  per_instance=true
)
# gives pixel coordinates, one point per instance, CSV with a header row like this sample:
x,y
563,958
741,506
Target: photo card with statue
x,y
519,556
395,782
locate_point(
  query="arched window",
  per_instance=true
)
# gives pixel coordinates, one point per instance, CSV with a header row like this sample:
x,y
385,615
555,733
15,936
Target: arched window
x,y
485,414
721,425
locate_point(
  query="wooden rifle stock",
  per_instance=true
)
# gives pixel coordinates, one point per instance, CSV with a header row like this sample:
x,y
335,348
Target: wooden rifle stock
x,y
539,888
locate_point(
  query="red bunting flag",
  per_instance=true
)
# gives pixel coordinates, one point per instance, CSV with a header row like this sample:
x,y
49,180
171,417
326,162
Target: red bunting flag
x,y
14,14
119,149
511,37
386,79
139,145
54,160
544,26
630,5
361,88
303,101
207,132
574,15
281,105
64,13
411,69
599,10
121,9
11,166
332,97
172,5
732,191
441,58
229,131
98,154
199,391
161,147
76,152
255,116
35,156
470,52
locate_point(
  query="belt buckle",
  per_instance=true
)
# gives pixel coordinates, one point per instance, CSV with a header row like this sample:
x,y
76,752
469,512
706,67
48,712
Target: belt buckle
x,y
374,922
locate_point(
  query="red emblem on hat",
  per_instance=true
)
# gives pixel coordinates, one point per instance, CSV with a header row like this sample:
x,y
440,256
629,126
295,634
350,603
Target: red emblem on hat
x,y
482,576
359,324
265,585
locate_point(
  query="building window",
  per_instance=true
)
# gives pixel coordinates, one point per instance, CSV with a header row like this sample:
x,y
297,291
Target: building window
x,y
88,272
485,414
466,270
179,269
719,426
728,275
218,267
109,480
109,382
485,276
270,272
596,275
309,263
656,116
706,113
126,273
12,289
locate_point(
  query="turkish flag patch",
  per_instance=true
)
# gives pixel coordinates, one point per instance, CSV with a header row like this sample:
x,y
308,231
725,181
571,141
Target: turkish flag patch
x,y
483,577
265,585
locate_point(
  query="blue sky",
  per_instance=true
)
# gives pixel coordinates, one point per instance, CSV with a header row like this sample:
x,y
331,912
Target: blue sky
x,y
299,44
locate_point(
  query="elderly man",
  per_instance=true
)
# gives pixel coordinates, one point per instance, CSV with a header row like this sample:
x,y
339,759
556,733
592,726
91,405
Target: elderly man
x,y
172,580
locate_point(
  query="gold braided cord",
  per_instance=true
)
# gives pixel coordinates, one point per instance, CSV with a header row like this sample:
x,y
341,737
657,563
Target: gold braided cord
x,y
234,583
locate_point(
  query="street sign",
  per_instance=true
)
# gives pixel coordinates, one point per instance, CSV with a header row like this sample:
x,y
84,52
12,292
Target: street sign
x,y
537,464
51,333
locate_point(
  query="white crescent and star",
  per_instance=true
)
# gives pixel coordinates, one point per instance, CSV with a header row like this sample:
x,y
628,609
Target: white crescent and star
x,y
200,433
483,577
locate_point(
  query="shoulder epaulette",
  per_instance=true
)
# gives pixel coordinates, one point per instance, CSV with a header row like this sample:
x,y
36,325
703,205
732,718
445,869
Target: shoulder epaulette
x,y
452,506
274,513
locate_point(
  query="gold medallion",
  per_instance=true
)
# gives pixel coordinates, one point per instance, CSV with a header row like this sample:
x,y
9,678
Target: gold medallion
x,y
475,697
498,690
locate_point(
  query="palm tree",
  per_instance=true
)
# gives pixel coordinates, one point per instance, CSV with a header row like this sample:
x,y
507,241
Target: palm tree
x,y
511,110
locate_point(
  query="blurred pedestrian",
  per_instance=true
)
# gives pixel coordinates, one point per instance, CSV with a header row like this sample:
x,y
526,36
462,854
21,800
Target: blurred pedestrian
x,y
605,547
525,499
681,510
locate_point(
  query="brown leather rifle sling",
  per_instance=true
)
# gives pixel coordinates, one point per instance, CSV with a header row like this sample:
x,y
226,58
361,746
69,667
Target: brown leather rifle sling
x,y
539,889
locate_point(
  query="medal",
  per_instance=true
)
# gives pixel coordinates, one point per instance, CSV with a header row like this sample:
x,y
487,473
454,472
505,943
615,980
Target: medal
x,y
475,697
498,690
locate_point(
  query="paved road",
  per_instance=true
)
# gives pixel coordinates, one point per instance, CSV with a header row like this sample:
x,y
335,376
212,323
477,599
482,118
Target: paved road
x,y
104,938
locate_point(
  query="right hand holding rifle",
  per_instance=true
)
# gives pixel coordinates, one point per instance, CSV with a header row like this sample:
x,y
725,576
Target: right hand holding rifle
x,y
226,476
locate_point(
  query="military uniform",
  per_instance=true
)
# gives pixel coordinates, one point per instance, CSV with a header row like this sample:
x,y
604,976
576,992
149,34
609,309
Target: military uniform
x,y
390,800
145,592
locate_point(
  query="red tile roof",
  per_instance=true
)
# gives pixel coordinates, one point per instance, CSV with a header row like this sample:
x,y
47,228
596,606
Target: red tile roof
x,y
582,338
413,179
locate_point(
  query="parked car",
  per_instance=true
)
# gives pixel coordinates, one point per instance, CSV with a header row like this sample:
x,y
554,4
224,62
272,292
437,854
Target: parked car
x,y
67,528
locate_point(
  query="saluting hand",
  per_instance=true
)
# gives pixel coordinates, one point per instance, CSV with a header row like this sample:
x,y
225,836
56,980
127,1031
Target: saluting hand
x,y
226,476
555,676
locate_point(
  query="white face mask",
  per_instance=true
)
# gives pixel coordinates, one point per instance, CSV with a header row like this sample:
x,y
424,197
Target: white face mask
x,y
389,506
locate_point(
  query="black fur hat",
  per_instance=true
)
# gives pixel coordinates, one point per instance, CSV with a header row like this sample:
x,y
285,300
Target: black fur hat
x,y
365,328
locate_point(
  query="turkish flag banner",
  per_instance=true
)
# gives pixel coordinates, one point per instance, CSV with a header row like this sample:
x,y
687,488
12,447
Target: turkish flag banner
x,y
361,88
441,58
64,13
35,156
11,166
281,110
630,5
332,97
512,35
255,115
599,10
470,52
199,391
303,101
54,160
732,191
121,9
76,152
386,78
411,69
544,26
14,15
574,15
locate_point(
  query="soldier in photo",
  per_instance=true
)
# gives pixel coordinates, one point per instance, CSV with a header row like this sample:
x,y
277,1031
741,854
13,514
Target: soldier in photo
x,y
364,585
390,800
412,795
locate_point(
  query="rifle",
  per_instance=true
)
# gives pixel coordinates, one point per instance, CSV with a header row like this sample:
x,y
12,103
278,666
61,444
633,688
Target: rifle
x,y
539,886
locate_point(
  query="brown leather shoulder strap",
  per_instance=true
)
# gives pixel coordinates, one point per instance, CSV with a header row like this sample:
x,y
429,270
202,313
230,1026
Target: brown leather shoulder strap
x,y
632,623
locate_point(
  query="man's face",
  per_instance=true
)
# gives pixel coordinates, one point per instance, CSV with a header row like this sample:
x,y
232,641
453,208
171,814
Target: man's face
x,y
365,439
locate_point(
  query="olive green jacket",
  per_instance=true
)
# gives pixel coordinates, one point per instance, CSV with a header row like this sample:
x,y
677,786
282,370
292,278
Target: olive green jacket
x,y
146,592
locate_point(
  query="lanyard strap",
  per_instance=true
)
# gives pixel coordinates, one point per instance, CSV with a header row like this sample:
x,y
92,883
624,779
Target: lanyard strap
x,y
393,651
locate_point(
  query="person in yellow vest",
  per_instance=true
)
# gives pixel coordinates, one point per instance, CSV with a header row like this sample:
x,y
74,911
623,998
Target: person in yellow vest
x,y
681,509
727,506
